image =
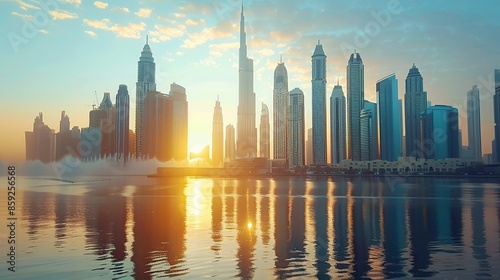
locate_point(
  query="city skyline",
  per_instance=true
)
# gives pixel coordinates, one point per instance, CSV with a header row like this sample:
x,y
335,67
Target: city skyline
x,y
73,89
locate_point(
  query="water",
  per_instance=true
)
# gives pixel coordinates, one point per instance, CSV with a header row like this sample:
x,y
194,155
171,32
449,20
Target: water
x,y
146,228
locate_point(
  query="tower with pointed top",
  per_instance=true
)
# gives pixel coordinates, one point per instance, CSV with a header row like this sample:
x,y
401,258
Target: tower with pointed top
x,y
145,83
319,105
265,145
122,123
217,136
355,103
415,104
280,111
337,124
246,143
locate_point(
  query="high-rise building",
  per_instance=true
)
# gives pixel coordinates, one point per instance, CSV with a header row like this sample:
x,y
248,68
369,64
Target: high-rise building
x,y
108,126
415,104
66,139
389,116
265,143
122,123
180,121
246,145
309,156
319,105
296,126
280,110
165,124
40,143
64,122
355,99
157,126
496,109
145,83
337,124
440,134
366,135
474,123
217,136
374,150
230,145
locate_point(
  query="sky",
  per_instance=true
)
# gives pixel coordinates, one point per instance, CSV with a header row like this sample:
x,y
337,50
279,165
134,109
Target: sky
x,y
58,54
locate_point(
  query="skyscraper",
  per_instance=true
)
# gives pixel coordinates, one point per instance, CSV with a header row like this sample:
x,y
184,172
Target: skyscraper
x,y
319,105
296,121
180,121
474,123
122,123
355,98
337,124
166,124
108,126
64,122
374,150
217,136
440,135
366,134
265,143
309,156
145,83
157,126
230,149
40,141
415,104
389,118
280,108
246,145
496,109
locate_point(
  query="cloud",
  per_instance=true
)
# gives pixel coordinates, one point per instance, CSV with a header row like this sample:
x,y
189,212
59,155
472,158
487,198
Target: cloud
x,y
192,22
204,36
43,31
131,30
62,14
91,33
265,52
100,5
74,2
25,6
179,15
166,33
219,49
121,9
24,16
144,13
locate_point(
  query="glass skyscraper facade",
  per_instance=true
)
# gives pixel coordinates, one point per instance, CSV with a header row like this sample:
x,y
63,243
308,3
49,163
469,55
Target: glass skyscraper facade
x,y
474,123
337,125
319,105
415,103
296,129
440,133
496,109
355,99
280,112
389,117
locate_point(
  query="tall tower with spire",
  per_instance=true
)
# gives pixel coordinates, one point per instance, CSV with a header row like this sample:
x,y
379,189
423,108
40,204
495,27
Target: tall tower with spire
x,y
280,111
145,83
246,143
319,105
217,136
415,104
355,103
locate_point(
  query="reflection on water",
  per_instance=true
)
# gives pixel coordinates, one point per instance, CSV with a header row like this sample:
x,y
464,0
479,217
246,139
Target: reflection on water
x,y
262,228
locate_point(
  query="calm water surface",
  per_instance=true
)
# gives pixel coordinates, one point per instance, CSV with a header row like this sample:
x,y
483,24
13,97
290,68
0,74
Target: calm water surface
x,y
146,228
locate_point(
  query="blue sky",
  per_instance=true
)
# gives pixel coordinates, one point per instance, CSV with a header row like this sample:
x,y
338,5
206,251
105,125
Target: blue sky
x,y
56,54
